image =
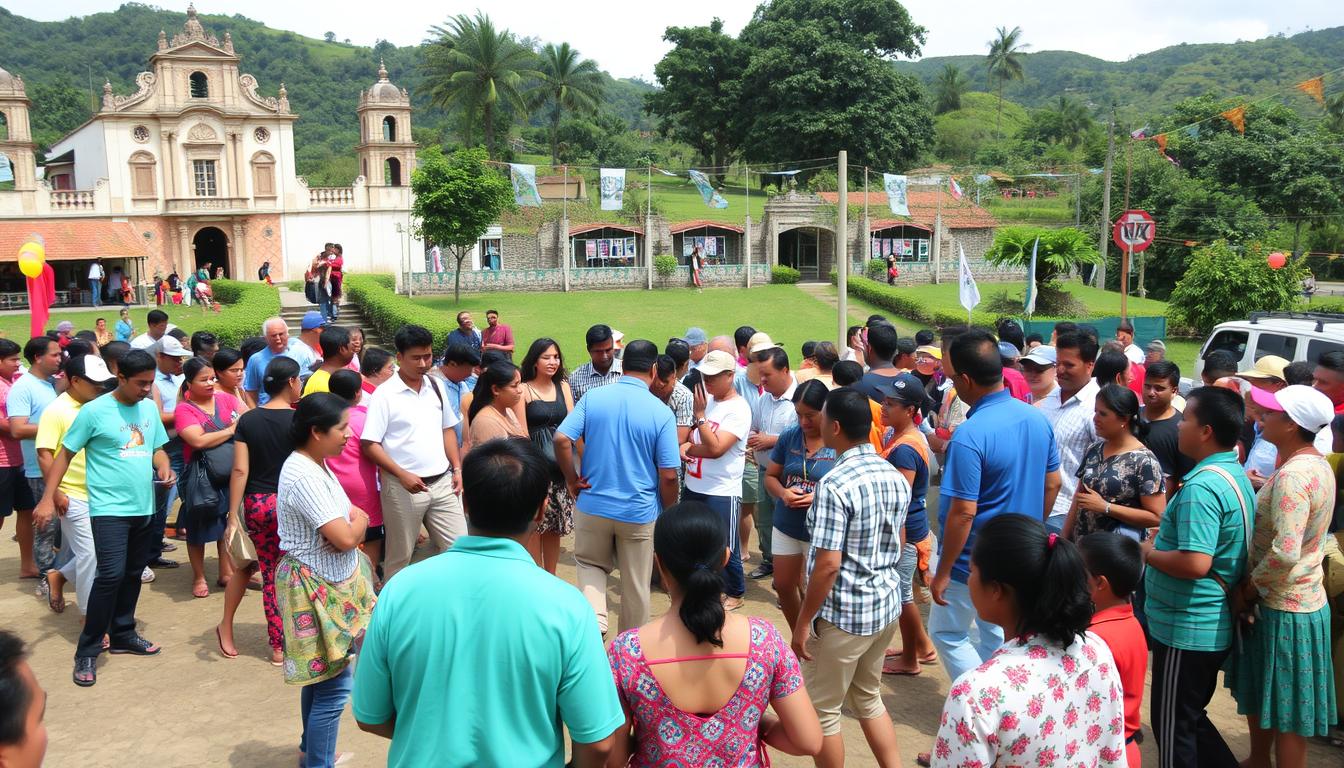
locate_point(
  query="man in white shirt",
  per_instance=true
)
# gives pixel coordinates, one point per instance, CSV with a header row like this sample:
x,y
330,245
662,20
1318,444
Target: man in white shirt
x,y
716,456
1124,333
772,413
409,435
1070,409
96,275
157,321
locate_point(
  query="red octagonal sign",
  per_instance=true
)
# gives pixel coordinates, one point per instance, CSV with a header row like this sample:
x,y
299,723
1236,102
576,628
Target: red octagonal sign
x,y
1134,231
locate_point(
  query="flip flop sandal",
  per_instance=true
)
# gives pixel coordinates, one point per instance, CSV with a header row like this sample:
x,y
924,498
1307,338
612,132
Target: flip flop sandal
x,y
220,637
889,668
200,591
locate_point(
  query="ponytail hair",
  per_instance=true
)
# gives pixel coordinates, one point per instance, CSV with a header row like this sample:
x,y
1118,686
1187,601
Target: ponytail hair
x,y
1045,573
279,372
1124,403
690,543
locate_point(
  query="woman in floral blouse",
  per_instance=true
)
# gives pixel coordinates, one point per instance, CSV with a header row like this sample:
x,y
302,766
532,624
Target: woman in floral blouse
x,y
1280,671
1051,695
1120,480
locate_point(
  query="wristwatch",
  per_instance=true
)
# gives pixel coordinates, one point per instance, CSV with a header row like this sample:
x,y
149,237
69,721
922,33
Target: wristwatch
x,y
699,422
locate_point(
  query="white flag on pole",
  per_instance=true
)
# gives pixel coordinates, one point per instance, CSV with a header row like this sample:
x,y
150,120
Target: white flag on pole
x,y
1030,307
969,292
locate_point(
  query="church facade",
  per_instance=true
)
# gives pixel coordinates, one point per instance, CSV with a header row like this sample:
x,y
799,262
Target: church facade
x,y
197,166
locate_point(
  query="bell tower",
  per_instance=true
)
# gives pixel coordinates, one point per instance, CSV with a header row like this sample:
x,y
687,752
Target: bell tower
x,y
16,138
386,152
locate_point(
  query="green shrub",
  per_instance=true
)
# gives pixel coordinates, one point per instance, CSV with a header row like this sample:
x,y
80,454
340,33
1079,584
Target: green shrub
x,y
246,307
900,303
784,275
388,311
1220,285
665,265
877,270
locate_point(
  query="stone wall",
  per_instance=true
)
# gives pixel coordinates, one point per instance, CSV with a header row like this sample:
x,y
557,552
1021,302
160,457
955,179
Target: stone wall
x,y
611,278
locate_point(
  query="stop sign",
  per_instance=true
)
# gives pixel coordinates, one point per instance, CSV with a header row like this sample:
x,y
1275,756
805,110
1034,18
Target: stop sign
x,y
1134,231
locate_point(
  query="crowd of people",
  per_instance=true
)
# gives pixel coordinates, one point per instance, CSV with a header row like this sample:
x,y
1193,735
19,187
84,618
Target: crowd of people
x,y
1088,517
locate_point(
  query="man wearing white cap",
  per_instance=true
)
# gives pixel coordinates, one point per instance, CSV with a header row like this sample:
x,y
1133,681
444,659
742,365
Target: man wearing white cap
x,y
1038,368
167,385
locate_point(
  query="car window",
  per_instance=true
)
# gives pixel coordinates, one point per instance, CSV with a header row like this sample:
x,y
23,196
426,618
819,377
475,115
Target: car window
x,y
1318,347
1232,341
1275,344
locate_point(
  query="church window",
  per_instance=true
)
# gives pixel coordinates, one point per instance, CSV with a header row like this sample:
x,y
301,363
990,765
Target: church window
x,y
203,172
389,128
200,86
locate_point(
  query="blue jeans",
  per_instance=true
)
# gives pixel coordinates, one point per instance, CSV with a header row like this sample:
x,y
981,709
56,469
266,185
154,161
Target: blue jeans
x,y
950,627
164,496
321,705
728,508
96,288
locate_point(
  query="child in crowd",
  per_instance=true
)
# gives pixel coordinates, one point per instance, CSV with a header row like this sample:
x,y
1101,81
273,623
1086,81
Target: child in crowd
x,y
1114,568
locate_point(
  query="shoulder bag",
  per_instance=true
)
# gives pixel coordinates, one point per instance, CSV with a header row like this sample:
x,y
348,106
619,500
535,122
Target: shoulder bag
x,y
217,461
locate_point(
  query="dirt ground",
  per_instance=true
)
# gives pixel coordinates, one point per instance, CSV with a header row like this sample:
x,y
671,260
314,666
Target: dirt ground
x,y
191,707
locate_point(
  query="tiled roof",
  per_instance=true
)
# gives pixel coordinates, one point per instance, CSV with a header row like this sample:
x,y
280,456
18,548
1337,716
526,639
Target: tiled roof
x,y
68,239
682,226
923,204
579,229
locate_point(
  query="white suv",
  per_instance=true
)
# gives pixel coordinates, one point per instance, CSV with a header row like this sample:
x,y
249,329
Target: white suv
x,y
1291,335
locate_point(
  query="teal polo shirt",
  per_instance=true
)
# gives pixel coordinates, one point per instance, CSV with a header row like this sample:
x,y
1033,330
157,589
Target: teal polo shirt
x,y
481,656
1204,516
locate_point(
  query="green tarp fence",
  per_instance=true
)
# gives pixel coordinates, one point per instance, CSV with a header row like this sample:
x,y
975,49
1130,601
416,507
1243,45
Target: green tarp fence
x,y
1145,328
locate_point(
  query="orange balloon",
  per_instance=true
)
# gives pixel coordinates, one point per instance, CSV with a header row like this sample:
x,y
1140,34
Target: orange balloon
x,y
1276,260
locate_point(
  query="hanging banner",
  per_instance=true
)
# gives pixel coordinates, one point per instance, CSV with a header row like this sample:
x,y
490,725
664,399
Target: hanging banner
x,y
1237,117
780,173
6,168
665,173
969,293
612,188
712,199
524,178
896,193
1192,131
1161,141
954,187
436,259
1315,88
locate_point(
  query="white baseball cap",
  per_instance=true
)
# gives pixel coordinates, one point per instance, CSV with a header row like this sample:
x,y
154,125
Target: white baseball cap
x,y
715,362
1042,355
1308,407
173,348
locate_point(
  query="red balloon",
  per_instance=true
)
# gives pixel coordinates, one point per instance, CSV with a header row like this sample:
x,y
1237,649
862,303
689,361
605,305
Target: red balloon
x,y
1276,260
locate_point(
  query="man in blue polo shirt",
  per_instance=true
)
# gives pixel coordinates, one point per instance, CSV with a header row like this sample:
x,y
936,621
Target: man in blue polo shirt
x,y
278,343
1002,460
447,676
629,474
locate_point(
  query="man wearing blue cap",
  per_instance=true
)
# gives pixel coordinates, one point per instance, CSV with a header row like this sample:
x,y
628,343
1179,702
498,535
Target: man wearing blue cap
x,y
698,341
278,343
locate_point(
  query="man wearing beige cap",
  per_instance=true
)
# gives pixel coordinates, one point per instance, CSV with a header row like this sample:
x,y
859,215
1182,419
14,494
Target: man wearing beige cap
x,y
747,383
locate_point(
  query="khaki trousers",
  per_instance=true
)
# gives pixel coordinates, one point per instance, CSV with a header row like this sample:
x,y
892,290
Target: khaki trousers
x,y
601,543
846,669
439,510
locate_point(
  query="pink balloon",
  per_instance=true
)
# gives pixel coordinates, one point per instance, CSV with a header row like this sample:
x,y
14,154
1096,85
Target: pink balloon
x,y
1276,260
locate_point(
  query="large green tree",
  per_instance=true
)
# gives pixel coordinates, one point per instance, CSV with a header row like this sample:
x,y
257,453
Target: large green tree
x,y
820,80
1004,61
948,89
1224,283
473,66
457,198
568,84
701,79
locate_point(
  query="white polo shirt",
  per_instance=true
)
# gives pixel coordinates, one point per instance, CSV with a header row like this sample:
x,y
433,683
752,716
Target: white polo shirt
x,y
772,415
410,424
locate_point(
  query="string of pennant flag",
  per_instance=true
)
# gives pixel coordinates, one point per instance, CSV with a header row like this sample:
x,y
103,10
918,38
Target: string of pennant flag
x,y
1236,116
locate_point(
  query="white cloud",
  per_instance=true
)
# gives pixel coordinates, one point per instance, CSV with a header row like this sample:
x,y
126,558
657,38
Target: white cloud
x,y
625,38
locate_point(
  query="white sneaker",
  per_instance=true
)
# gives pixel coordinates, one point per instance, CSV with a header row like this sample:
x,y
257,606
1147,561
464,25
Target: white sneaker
x,y
146,576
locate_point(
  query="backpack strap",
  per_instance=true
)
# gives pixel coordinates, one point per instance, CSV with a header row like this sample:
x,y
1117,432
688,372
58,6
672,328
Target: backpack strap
x,y
1245,517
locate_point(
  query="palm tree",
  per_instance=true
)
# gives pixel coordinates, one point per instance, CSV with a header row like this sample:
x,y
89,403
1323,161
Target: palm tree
x,y
567,83
1334,112
1005,63
1072,122
474,66
948,88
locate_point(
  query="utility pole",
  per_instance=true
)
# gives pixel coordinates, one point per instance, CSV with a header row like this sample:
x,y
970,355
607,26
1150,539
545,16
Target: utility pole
x,y
841,251
1127,255
1102,247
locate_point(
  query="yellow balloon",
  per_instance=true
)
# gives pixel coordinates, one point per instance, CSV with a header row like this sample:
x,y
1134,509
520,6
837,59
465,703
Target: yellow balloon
x,y
36,248
29,264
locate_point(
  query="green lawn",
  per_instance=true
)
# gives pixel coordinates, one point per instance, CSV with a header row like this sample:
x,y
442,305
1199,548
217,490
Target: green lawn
x,y
14,325
1043,210
1099,303
788,314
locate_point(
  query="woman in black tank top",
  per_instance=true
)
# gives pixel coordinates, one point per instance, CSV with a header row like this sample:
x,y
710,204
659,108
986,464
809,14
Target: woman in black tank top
x,y
547,401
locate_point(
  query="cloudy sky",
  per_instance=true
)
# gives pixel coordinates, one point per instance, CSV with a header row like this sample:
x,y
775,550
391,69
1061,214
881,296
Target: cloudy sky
x,y
626,37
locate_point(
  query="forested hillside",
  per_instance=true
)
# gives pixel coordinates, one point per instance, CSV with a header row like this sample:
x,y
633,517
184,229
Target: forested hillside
x,y
1151,82
65,64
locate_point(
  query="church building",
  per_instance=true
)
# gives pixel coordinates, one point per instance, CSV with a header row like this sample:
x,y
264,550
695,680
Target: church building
x,y
195,167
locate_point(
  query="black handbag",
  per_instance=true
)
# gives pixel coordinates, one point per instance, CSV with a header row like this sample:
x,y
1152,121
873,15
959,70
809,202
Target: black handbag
x,y
200,497
310,291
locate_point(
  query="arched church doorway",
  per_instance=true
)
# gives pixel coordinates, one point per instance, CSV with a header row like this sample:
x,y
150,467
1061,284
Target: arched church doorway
x,y
211,246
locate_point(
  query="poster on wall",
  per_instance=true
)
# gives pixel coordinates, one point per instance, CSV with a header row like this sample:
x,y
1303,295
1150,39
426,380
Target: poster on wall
x,y
908,247
687,246
924,249
618,249
711,246
613,188
590,249
604,249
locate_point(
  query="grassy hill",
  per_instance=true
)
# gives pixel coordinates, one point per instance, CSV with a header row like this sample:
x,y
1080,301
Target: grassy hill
x,y
1152,81
65,63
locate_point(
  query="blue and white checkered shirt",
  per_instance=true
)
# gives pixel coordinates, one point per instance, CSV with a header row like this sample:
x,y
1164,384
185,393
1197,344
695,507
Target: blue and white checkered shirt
x,y
584,378
1074,432
859,511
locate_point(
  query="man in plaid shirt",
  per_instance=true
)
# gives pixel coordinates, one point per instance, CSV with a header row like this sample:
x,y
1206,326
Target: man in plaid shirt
x,y
857,521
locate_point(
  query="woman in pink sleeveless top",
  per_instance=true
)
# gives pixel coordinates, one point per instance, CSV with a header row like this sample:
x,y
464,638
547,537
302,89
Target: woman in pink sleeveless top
x,y
697,684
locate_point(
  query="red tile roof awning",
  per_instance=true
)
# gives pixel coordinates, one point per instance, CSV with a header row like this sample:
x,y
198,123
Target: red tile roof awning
x,y
72,239
579,229
878,224
923,205
704,223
